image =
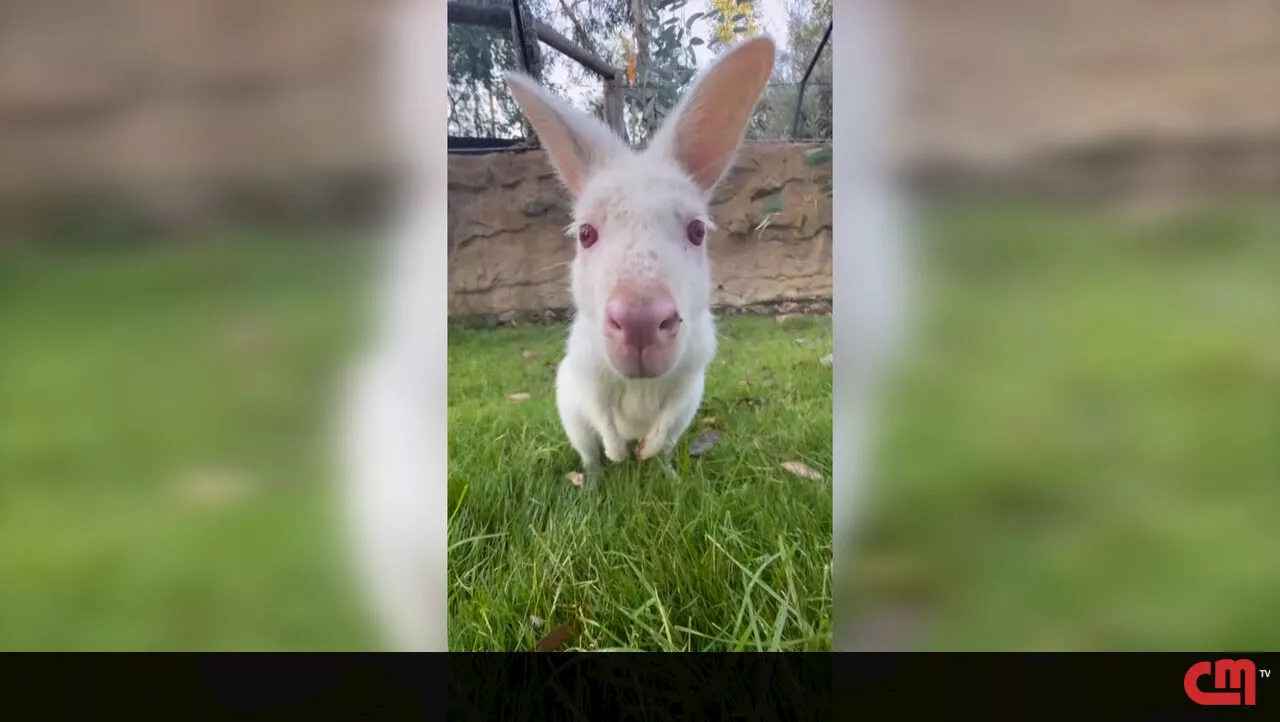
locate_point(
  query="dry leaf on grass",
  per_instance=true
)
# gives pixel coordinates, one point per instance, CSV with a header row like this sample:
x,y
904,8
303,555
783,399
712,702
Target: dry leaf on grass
x,y
708,420
210,488
799,468
516,398
576,478
885,630
782,318
704,442
528,353
535,622
557,638
248,335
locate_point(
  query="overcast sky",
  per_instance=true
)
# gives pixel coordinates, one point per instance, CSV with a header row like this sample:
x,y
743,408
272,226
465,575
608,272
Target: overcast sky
x,y
772,21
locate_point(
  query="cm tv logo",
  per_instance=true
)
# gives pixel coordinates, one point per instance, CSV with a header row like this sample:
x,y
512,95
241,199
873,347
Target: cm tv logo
x,y
1234,682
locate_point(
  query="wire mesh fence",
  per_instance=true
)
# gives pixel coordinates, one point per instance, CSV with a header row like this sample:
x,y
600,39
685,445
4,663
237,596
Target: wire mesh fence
x,y
488,113
796,105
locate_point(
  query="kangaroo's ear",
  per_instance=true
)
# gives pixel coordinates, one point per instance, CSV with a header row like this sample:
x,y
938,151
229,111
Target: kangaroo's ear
x,y
577,143
704,131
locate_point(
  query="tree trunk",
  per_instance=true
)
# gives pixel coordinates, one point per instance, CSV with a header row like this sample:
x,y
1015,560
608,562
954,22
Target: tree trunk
x,y
640,28
614,91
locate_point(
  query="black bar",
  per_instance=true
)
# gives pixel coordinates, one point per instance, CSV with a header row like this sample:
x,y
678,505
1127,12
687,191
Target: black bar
x,y
459,144
528,686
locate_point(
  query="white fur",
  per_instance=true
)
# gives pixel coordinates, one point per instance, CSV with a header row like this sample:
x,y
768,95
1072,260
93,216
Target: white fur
x,y
639,199
392,443
393,424
601,411
641,204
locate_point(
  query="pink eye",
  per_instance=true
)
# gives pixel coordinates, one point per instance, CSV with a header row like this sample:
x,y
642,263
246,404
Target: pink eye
x,y
696,232
587,235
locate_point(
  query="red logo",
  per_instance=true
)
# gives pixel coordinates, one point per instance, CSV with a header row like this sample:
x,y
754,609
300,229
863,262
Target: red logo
x,y
1228,674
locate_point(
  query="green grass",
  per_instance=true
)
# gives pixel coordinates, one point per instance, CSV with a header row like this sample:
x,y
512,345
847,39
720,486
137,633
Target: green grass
x,y
122,375
1083,453
734,556
1083,450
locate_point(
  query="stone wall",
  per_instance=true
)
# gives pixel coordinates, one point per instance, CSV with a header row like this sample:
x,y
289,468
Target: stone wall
x,y
509,255
997,78
170,99
1105,98
176,105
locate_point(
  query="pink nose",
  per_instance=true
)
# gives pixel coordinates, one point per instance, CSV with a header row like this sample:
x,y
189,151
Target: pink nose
x,y
641,324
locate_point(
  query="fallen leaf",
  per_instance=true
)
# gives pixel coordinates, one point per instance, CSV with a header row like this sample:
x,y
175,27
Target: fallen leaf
x,y
576,478
709,420
885,630
516,398
826,360
893,576
209,488
528,353
248,335
704,442
556,638
535,622
800,468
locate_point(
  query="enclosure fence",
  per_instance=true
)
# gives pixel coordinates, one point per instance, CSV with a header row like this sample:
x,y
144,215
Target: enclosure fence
x,y
527,31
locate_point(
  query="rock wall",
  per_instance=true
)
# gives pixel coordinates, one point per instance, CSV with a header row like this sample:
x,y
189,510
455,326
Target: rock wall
x,y
1104,98
509,255
177,106
1001,77
166,98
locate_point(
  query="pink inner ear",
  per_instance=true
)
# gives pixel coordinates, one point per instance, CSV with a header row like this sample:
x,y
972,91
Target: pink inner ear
x,y
569,154
712,125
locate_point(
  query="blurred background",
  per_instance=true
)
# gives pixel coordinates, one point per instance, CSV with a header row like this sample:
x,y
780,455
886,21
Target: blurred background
x,y
1083,448
1080,451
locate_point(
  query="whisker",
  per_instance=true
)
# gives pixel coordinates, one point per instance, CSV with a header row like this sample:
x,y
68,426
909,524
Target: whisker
x,y
553,265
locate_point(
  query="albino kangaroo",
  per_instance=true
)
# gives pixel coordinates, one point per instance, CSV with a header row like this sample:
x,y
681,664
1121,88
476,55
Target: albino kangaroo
x,y
643,334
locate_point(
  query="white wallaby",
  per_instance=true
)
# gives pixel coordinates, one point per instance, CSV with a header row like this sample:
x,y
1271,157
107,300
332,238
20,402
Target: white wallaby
x,y
391,430
643,333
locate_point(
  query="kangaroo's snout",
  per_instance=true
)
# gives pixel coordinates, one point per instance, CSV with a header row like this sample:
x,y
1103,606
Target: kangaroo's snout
x,y
642,324
641,331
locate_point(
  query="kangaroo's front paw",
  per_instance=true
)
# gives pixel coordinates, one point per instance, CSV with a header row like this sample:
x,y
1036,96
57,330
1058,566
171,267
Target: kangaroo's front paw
x,y
644,449
650,446
615,450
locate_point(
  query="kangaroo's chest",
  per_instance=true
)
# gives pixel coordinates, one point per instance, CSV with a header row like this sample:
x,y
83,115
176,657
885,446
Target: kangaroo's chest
x,y
635,405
